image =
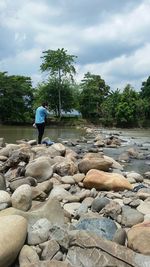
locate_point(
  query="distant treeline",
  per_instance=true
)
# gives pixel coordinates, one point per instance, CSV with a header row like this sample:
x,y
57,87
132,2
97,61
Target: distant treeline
x,y
92,98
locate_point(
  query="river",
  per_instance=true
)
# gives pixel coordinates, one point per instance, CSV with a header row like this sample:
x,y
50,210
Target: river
x,y
13,133
132,137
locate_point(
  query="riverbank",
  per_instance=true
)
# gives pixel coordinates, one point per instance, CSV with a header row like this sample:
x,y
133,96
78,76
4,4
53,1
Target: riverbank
x,y
72,204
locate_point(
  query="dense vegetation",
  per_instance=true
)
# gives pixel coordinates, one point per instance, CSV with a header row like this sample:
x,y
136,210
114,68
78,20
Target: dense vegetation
x,y
93,98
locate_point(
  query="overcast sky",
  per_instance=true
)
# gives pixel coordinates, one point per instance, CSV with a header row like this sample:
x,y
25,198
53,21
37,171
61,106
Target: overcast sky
x,y
109,37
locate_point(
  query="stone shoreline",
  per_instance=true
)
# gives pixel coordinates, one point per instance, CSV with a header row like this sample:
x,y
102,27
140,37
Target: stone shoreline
x,y
70,205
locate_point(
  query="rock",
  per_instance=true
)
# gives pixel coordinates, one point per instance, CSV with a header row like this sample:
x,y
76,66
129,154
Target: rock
x,y
147,175
10,243
60,193
41,190
39,232
68,179
2,182
105,181
22,197
18,181
99,203
92,161
131,216
144,207
133,152
6,151
115,164
60,148
67,167
136,176
93,251
120,236
72,207
103,227
111,210
40,169
139,238
5,200
50,210
49,249
27,256
78,177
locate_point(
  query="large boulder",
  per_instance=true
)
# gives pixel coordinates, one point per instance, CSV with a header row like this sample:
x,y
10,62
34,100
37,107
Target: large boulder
x,y
90,250
13,231
51,210
94,161
139,238
106,181
40,169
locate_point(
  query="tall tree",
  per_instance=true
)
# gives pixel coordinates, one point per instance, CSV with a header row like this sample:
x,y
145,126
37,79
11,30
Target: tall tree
x,y
93,92
58,64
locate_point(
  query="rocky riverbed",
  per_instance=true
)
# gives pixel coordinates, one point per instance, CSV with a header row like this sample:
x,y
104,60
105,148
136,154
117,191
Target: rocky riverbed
x,y
72,204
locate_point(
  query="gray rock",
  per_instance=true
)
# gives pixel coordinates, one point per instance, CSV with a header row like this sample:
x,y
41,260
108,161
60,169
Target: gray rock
x,y
90,250
39,232
49,249
2,182
131,216
103,227
99,203
120,236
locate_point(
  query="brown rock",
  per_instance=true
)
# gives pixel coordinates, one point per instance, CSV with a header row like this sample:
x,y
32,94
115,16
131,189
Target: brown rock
x,y
105,181
139,238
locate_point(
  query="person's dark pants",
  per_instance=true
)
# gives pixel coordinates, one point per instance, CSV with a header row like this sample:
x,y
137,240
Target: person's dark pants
x,y
40,127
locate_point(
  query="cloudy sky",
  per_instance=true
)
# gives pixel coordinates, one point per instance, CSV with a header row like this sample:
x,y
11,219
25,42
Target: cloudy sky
x,y
109,37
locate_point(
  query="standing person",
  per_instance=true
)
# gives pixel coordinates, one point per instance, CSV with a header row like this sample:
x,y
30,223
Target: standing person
x,y
40,117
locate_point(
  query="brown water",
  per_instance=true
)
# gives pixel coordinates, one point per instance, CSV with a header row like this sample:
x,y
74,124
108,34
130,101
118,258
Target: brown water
x,y
13,133
132,137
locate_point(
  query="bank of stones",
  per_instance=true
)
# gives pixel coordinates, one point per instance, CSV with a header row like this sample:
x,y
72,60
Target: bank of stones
x,y
69,204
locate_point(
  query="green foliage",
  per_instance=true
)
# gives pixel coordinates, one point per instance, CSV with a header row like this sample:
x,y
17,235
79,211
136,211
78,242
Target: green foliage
x,y
126,110
93,92
60,66
16,96
50,92
145,89
109,107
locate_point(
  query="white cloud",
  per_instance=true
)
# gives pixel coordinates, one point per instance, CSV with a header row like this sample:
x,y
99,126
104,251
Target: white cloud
x,y
110,39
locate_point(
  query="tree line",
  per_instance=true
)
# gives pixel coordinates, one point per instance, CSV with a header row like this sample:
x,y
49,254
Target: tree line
x,y
92,97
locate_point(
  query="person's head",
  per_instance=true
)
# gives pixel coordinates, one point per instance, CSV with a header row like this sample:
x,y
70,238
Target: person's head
x,y
45,104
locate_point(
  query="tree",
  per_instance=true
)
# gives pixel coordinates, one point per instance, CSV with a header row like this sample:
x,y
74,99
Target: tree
x,y
145,89
16,96
50,92
109,108
145,95
93,92
126,110
59,65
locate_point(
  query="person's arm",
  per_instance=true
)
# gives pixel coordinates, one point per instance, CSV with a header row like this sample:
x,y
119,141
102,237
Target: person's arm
x,y
47,111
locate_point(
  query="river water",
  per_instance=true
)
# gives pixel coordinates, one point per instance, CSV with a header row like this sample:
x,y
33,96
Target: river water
x,y
130,137
13,133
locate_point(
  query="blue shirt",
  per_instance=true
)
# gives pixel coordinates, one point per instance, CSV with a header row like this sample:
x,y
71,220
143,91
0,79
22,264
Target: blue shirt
x,y
41,114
